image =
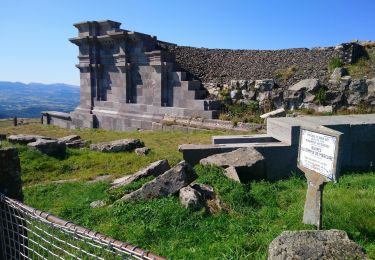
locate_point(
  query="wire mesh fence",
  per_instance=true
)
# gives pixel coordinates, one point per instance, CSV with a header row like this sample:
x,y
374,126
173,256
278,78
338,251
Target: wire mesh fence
x,y
28,233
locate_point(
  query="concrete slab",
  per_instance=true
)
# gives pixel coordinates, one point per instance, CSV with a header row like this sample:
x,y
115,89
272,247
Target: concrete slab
x,y
233,139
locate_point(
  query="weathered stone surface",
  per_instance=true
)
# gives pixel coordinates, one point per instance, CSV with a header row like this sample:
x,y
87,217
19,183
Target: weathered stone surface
x,y
358,85
247,94
264,85
118,145
337,74
73,141
10,173
69,138
97,204
49,147
275,113
345,82
191,198
232,174
142,151
168,183
309,85
25,139
248,162
154,169
197,196
371,86
311,244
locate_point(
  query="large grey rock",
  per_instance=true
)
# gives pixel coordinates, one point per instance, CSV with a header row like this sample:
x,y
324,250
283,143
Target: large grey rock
x,y
311,244
358,85
154,169
142,151
309,85
25,139
191,198
264,85
197,196
248,163
357,92
72,141
168,183
49,147
371,86
337,74
118,145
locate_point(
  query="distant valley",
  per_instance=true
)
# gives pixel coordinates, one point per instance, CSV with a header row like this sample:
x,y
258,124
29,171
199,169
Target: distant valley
x,y
28,100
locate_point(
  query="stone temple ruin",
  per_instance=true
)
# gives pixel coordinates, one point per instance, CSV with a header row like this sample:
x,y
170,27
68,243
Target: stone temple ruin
x,y
131,81
128,82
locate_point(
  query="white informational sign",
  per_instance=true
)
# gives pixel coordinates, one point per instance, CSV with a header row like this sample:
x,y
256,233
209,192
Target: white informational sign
x,y
317,152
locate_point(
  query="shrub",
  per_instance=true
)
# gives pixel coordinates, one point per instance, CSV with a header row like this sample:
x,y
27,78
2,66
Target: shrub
x,y
286,73
321,96
335,63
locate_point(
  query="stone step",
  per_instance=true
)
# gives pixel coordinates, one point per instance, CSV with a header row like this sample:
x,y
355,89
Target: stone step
x,y
237,139
200,104
191,84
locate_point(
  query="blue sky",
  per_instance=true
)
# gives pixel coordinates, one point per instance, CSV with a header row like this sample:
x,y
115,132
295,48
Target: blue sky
x,y
34,34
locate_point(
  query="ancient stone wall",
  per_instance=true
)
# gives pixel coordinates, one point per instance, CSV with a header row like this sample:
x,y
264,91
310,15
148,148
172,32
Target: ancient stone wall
x,y
224,65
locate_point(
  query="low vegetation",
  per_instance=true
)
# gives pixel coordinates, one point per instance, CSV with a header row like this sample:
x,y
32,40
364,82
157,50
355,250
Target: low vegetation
x,y
239,112
286,73
363,67
335,63
255,214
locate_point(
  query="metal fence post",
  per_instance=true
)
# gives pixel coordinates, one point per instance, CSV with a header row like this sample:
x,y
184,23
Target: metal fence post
x,y
11,239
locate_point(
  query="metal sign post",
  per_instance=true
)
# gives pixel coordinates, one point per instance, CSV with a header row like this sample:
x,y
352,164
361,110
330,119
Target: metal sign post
x,y
318,158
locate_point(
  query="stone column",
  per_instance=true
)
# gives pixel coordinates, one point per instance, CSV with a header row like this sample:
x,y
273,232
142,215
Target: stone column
x,y
11,228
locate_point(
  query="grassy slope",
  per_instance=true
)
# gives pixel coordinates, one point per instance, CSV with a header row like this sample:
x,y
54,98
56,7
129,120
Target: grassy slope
x,y
257,212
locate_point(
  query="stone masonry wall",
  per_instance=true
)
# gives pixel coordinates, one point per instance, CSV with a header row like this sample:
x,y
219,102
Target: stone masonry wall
x,y
224,65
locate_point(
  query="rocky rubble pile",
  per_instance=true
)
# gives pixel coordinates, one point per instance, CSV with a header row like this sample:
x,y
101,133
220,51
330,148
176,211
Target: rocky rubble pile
x,y
341,92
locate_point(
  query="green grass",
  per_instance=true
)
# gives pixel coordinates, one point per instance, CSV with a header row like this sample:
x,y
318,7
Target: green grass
x,y
254,213
86,164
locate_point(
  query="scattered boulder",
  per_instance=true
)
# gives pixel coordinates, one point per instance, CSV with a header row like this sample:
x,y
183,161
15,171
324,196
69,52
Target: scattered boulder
x,y
49,147
25,139
314,244
247,94
154,169
117,146
142,151
264,85
73,141
98,204
309,85
199,196
345,82
168,183
275,113
191,198
247,162
357,92
337,74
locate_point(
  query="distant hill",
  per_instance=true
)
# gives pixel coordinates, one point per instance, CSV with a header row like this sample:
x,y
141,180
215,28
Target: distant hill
x,y
28,100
